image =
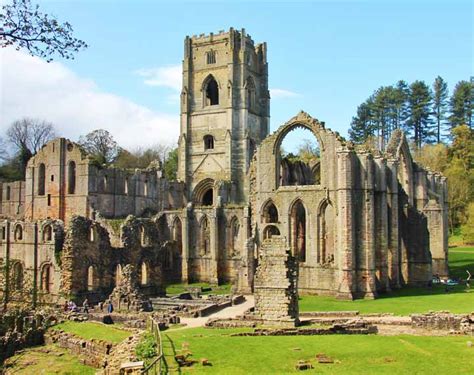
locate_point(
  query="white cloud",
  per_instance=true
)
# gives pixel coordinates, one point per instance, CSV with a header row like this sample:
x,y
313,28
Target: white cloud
x,y
165,76
30,87
281,93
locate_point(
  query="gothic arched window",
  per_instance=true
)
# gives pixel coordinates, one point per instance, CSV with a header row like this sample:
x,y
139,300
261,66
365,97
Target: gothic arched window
x,y
41,179
208,142
212,92
71,179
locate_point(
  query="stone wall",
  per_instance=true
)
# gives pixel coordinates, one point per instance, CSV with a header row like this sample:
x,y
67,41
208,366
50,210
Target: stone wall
x,y
463,323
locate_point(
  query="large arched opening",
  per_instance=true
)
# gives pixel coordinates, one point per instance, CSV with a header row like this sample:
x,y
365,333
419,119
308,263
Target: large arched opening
x,y
298,238
298,157
204,193
326,234
211,91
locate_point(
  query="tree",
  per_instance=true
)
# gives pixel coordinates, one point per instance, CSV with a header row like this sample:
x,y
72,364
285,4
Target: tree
x,y
308,150
440,97
170,167
25,27
461,104
419,107
434,157
362,125
27,137
101,146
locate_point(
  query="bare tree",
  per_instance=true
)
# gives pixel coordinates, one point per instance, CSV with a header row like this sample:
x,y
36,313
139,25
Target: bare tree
x,y
24,26
30,134
101,145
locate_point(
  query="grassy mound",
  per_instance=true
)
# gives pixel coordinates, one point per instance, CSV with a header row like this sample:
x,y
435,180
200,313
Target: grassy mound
x,y
92,330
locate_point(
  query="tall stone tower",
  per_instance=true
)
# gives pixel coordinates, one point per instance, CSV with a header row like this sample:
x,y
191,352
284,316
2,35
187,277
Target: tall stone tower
x,y
224,114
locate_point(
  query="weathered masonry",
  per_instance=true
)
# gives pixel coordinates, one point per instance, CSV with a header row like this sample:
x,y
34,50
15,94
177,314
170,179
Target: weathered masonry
x,y
357,222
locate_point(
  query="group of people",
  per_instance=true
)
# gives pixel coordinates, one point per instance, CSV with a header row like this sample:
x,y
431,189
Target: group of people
x,y
70,306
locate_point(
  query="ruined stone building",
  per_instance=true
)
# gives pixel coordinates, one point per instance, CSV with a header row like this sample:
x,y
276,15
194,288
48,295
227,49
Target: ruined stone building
x,y
359,222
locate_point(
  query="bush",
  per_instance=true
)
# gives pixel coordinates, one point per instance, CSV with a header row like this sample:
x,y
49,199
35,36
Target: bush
x,y
146,348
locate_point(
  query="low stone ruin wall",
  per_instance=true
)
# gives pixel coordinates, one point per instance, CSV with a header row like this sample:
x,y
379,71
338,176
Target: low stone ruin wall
x,y
90,352
21,329
459,323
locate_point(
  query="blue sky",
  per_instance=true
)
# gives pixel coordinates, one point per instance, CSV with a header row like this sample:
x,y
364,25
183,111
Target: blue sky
x,y
324,57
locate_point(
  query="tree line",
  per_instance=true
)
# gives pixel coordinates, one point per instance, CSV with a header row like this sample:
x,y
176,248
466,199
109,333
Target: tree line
x,y
427,114
25,137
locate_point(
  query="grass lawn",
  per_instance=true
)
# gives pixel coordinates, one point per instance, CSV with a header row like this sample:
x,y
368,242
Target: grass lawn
x,y
92,330
173,289
49,359
410,300
353,354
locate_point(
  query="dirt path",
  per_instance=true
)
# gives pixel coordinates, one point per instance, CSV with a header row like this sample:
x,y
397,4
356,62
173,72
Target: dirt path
x,y
229,312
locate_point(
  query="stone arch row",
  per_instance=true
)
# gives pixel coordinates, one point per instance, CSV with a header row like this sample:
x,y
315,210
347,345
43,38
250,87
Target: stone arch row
x,y
298,228
46,232
17,281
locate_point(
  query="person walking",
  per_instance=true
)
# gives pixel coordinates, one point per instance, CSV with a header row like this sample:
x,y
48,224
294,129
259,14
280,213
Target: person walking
x,y
468,280
85,306
110,307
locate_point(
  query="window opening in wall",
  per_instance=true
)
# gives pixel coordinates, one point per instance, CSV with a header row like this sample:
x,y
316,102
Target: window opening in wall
x,y
126,186
90,279
270,230
4,233
118,274
144,274
145,188
105,182
47,233
298,231
18,276
211,57
326,236
49,199
177,234
18,232
270,213
212,92
71,186
52,177
234,236
91,234
46,278
143,237
8,193
208,142
41,179
299,155
205,237
208,197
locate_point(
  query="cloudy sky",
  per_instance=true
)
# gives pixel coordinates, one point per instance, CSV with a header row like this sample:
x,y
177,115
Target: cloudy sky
x,y
324,57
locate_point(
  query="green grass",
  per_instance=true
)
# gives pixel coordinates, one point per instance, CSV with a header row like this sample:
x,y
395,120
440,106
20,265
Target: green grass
x,y
173,289
410,300
90,330
354,354
49,359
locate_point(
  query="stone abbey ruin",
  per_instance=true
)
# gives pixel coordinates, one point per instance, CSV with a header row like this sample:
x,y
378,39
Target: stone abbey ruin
x,y
352,223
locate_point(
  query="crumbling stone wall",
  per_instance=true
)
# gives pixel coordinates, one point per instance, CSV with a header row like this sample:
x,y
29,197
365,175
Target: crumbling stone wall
x,y
276,292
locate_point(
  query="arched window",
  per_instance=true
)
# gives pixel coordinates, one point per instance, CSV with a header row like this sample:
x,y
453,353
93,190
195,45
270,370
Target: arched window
x,y
41,179
250,88
208,142
91,279
211,57
126,186
270,230
145,188
208,197
71,179
326,236
204,237
234,237
177,235
144,274
212,91
298,231
18,232
17,276
298,152
118,274
46,278
270,213
47,233
92,234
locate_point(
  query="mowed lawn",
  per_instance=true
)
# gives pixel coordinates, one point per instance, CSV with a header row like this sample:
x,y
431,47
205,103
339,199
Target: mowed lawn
x,y
353,354
49,359
410,300
97,331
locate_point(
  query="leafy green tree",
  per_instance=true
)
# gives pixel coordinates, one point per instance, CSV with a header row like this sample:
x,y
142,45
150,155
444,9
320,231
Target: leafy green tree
x,y
25,27
362,125
101,146
440,97
468,228
461,104
170,167
419,121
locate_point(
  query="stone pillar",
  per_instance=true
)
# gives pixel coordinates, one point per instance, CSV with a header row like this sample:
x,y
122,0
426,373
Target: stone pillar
x,y
185,246
214,244
381,220
345,229
276,290
393,227
439,254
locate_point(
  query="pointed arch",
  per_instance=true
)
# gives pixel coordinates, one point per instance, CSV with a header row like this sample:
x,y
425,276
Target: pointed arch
x,y
233,237
18,276
144,274
177,234
203,194
210,89
46,278
326,233
18,234
270,230
47,233
269,212
204,236
298,235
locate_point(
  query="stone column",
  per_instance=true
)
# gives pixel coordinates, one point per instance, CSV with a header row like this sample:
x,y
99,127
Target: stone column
x,y
439,255
185,235
394,266
381,230
345,239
